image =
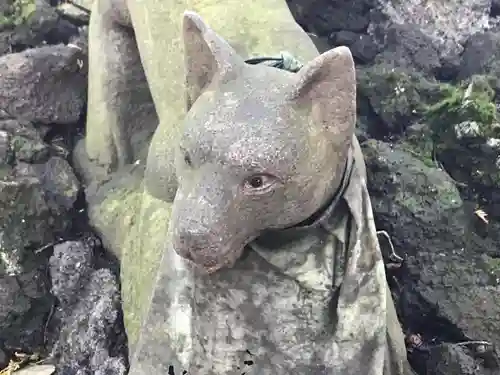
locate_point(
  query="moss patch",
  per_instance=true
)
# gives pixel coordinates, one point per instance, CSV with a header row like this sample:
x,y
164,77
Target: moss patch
x,y
492,267
16,13
469,101
420,144
396,96
136,224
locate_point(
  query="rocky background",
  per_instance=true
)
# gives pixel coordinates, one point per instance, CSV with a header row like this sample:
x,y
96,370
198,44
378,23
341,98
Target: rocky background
x,y
429,95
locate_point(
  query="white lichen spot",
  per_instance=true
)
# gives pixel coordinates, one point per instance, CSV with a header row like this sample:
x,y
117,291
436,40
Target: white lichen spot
x,y
493,143
9,259
399,89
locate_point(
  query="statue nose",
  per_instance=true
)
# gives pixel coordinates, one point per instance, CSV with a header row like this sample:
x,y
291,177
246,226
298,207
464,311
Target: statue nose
x,y
196,245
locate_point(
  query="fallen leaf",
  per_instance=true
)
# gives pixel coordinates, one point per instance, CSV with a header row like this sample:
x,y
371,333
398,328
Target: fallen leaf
x,y
482,215
36,370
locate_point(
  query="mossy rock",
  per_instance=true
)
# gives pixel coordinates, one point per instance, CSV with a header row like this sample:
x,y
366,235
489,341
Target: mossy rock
x,y
419,143
398,97
492,267
446,113
472,100
403,179
494,77
16,12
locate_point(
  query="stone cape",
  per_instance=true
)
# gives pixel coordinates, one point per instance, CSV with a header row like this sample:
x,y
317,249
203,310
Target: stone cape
x,y
308,300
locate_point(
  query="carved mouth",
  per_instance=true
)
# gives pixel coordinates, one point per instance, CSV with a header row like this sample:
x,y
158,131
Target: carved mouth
x,y
227,260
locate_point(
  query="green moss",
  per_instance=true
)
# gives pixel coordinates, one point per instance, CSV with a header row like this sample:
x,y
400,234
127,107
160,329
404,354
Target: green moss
x,y
492,267
17,13
396,96
449,195
421,146
136,224
494,264
455,107
410,202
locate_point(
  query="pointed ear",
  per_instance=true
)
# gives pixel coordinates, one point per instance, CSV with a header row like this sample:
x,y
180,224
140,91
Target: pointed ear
x,y
327,84
206,56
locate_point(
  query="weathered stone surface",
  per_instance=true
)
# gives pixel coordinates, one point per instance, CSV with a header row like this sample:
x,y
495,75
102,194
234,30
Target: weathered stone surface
x,y
325,17
391,99
449,279
135,223
363,47
458,359
91,339
37,192
481,56
23,143
407,47
32,23
53,88
76,12
495,8
24,304
34,202
448,23
411,45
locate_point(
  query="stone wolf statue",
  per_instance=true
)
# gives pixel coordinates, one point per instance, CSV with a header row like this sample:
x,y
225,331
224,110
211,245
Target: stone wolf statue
x,y
235,195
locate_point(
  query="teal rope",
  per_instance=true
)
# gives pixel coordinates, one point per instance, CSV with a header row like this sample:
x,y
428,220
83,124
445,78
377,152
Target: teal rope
x,y
285,62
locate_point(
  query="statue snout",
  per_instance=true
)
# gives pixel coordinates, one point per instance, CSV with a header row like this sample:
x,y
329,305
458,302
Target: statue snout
x,y
204,248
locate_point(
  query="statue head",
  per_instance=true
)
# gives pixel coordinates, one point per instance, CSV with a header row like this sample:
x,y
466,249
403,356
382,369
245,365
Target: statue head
x,y
261,149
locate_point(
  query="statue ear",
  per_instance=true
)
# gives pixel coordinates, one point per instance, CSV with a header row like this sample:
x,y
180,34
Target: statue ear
x,y
327,85
207,56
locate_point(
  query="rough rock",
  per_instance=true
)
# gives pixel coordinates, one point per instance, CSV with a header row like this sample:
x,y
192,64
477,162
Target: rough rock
x,y
456,359
464,128
474,163
32,24
42,91
37,192
414,34
362,46
46,84
447,23
24,306
495,8
35,199
407,47
481,56
391,99
75,12
447,288
325,17
91,339
3,359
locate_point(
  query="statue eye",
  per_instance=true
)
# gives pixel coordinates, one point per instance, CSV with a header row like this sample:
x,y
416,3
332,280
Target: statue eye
x,y
259,183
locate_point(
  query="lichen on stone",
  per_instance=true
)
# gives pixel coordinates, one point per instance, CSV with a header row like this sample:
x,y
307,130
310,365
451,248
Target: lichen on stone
x,y
471,101
419,143
16,12
396,96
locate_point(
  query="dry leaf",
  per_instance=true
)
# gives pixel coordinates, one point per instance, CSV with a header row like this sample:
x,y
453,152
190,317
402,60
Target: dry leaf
x,y
19,366
482,215
36,370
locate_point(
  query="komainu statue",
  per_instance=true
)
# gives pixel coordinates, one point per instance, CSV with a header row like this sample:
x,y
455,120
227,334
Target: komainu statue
x,y
233,194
